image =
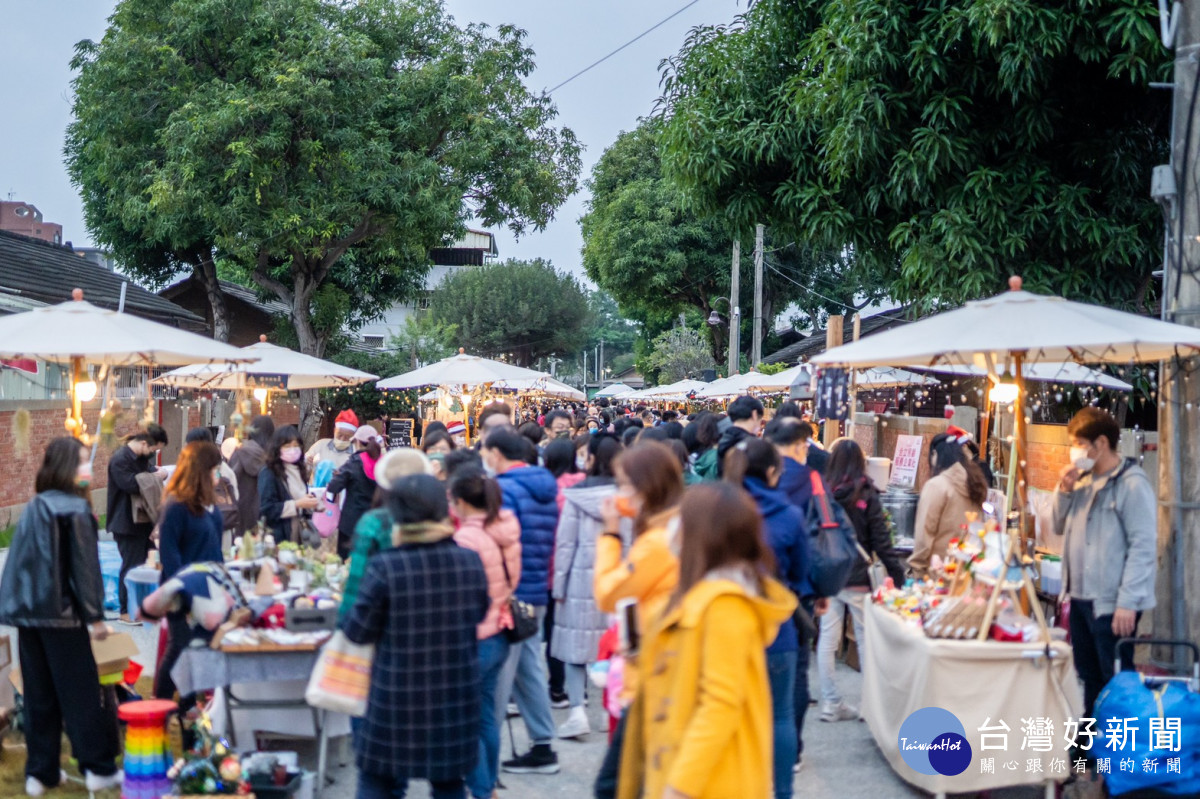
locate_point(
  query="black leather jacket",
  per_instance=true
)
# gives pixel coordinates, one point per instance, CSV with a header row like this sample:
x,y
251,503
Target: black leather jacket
x,y
52,575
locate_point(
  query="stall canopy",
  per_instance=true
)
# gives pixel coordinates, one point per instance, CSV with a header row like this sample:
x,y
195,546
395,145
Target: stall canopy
x,y
881,377
542,387
275,367
460,370
1047,373
677,391
615,390
78,331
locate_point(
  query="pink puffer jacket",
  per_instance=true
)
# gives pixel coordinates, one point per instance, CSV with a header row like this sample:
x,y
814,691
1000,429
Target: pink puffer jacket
x,y
500,539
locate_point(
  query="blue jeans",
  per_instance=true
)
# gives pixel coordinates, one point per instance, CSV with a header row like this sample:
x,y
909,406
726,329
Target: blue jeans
x,y
523,678
378,786
482,779
781,671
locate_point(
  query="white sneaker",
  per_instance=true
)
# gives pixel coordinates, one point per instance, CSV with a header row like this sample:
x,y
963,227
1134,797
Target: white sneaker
x,y
838,712
576,725
512,711
94,782
34,786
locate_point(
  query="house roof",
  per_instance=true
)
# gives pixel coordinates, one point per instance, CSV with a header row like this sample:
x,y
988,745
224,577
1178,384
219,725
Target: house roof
x,y
40,272
814,343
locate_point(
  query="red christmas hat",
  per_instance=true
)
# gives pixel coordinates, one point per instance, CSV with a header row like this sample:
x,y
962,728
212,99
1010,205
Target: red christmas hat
x,y
957,432
346,420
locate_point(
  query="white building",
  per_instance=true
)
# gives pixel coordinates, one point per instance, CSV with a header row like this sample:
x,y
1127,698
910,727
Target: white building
x,y
475,249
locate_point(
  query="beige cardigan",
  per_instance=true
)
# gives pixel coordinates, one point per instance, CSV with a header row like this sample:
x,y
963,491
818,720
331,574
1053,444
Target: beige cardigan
x,y
941,513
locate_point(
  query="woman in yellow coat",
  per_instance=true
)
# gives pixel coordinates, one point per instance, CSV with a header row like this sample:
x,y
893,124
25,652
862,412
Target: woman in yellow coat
x,y
701,725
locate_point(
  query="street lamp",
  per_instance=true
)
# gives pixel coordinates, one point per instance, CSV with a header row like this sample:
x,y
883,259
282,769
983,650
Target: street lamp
x,y
714,318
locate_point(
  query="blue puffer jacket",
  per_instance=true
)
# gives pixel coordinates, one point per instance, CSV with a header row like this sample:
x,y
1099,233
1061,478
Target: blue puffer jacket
x,y
796,482
531,493
785,532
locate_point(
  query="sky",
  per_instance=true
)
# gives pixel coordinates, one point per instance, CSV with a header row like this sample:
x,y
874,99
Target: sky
x,y
37,42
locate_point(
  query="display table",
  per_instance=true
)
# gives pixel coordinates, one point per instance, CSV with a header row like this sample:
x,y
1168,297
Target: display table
x,y
983,683
276,681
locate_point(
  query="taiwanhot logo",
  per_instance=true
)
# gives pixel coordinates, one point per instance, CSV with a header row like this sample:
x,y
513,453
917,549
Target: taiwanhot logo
x,y
933,741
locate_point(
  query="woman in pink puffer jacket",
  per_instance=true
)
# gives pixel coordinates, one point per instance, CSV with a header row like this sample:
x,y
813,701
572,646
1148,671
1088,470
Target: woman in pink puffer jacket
x,y
495,535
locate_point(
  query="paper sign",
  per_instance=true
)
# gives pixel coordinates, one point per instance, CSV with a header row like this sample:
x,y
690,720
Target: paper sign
x,y
906,461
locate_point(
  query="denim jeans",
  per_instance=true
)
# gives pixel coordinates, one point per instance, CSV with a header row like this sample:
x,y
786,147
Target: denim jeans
x,y
781,671
523,678
378,786
1095,647
482,780
831,639
576,680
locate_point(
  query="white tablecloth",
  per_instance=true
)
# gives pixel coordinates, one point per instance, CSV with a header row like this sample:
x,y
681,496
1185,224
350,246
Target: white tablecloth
x,y
980,683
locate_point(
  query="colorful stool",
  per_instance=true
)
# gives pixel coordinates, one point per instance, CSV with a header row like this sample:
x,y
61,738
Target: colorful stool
x,y
147,757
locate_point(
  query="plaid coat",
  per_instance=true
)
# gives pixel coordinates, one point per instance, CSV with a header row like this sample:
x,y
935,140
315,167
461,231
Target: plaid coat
x,y
419,604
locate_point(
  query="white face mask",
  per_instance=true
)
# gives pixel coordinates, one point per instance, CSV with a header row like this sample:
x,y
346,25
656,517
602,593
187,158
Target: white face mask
x,y
1079,457
340,445
581,462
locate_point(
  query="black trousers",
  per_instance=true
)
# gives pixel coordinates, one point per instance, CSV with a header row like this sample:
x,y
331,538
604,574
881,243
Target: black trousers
x,y
553,664
607,779
62,688
803,695
133,548
1094,646
179,635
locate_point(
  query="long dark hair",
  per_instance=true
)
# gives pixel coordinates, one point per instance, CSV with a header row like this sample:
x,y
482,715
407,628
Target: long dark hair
x,y
559,457
418,498
191,483
719,526
604,450
702,433
847,466
944,452
752,457
261,429
279,440
474,487
60,468
655,474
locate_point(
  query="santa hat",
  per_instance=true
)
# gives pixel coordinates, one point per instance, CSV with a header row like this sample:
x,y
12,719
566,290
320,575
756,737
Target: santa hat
x,y
346,420
456,428
958,434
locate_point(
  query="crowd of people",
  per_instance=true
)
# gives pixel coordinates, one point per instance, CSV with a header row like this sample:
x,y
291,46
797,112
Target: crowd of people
x,y
666,557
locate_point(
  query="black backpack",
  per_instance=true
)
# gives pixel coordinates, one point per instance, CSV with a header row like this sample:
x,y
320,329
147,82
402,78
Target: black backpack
x,y
833,542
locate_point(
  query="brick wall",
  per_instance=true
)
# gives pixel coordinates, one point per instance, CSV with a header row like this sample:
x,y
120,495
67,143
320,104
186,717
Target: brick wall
x,y
1049,451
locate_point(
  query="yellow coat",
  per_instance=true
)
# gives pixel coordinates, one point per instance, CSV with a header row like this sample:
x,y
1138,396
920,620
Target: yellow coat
x,y
649,573
702,722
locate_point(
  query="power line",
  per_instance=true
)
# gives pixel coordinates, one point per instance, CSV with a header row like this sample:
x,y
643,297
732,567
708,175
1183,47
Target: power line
x,y
622,47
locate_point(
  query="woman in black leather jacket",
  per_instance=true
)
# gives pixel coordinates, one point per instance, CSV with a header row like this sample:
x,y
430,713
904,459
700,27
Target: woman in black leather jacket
x,y
52,592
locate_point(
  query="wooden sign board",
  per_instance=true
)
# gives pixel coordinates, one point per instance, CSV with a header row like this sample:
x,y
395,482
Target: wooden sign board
x,y
400,433
906,461
833,394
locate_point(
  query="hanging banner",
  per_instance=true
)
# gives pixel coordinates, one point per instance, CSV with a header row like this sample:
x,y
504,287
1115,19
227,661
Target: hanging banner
x,y
263,380
833,394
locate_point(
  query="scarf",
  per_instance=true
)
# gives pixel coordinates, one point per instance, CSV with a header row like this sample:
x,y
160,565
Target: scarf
x,y
421,533
369,465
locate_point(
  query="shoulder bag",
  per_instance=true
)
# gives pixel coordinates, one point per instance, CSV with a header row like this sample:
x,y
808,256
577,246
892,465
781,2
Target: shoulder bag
x,y
525,622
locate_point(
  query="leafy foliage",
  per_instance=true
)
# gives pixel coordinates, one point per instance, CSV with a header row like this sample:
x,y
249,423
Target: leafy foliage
x,y
365,400
324,147
521,309
425,340
942,144
679,353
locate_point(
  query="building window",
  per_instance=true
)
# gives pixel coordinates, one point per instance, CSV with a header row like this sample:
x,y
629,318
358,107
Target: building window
x,y
373,341
423,302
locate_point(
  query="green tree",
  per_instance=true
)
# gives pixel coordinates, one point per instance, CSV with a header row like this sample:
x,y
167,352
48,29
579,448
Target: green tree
x,y
323,147
643,245
679,353
521,309
944,145
425,340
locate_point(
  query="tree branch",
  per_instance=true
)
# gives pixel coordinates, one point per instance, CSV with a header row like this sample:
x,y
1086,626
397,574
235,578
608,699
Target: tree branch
x,y
338,248
262,277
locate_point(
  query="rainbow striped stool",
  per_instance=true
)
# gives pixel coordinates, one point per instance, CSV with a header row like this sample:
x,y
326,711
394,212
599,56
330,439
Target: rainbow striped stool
x,y
147,757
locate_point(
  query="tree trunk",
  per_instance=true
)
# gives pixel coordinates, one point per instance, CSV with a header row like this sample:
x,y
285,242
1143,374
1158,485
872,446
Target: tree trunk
x,y
205,272
311,343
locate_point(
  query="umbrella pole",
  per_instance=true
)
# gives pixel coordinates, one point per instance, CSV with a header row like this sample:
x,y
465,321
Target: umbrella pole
x,y
1020,445
76,423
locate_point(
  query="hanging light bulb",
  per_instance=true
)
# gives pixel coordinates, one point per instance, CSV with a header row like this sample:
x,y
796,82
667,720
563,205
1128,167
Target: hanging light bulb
x,y
1005,390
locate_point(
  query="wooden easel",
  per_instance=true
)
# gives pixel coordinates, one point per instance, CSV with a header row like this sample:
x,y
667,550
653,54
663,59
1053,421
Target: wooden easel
x,y
1012,589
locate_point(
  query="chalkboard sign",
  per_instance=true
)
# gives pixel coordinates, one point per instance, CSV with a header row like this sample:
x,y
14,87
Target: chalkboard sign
x,y
833,397
400,433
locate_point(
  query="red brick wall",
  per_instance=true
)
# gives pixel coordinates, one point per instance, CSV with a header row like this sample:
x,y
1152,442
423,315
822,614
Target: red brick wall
x,y
1049,452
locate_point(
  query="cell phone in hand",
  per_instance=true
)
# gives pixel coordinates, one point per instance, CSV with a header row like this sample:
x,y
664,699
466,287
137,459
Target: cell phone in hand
x,y
629,635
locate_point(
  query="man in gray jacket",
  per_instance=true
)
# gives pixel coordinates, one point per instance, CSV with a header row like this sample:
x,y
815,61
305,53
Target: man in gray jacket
x,y
1106,508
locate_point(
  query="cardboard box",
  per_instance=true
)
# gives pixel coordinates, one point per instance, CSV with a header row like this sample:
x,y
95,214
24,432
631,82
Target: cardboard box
x,y
113,653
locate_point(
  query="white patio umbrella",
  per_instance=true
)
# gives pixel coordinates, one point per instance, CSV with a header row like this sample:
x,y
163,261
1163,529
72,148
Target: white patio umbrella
x,y
736,385
80,333
278,366
614,390
1047,373
460,370
887,377
542,386
674,392
1014,329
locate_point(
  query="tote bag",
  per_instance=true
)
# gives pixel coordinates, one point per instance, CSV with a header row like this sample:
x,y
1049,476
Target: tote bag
x,y
341,678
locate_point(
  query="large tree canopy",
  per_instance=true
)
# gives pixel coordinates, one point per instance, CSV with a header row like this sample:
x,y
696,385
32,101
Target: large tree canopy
x,y
523,310
657,257
944,144
324,147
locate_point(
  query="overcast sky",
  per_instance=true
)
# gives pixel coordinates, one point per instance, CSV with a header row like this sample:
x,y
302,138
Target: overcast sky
x,y
37,41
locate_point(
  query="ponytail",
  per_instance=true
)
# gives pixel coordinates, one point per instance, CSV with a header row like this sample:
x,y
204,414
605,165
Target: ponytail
x,y
751,457
373,450
479,491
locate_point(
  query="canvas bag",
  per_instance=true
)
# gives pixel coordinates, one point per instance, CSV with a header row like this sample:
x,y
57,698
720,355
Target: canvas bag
x,y
341,678
833,543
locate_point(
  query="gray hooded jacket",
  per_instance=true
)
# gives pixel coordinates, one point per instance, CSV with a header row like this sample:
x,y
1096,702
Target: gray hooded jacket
x,y
578,623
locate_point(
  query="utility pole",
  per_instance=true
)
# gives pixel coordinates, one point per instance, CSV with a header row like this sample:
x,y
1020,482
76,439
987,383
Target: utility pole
x,y
756,349
601,370
1177,614
735,311
585,372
